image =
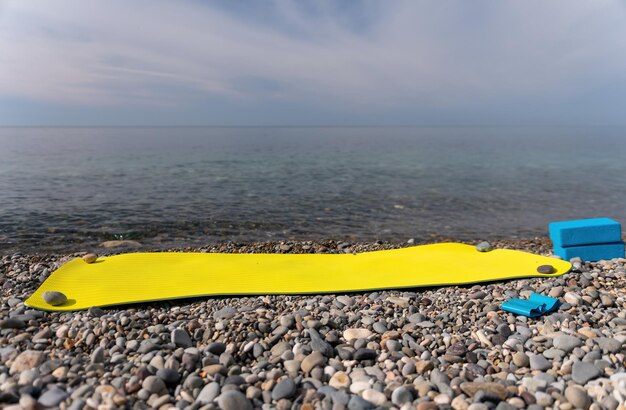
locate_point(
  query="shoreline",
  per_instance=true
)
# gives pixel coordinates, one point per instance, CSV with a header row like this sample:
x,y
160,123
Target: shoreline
x,y
425,348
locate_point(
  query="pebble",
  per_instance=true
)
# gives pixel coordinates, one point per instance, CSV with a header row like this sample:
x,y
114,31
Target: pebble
x,y
339,380
225,313
473,371
401,395
28,359
12,323
609,344
285,389
483,246
577,396
539,362
53,397
208,393
545,269
54,298
356,333
153,384
233,400
566,343
373,396
365,354
90,257
492,390
169,376
583,372
358,403
217,348
181,338
97,356
572,298
521,359
311,361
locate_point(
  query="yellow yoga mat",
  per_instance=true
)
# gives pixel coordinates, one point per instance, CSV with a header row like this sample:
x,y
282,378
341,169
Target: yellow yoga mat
x,y
143,277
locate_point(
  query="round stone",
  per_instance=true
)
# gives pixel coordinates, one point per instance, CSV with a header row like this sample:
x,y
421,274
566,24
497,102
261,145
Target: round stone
x,y
169,376
401,395
545,269
285,389
208,393
233,400
54,298
216,348
577,396
566,343
583,372
374,397
153,384
356,333
539,362
181,338
312,360
365,354
339,380
483,246
90,258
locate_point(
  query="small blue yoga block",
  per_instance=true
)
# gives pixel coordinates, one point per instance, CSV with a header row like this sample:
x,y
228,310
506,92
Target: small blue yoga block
x,y
591,253
536,305
585,232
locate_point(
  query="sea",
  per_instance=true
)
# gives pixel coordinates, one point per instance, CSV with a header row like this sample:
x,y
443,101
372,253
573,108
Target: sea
x,y
69,189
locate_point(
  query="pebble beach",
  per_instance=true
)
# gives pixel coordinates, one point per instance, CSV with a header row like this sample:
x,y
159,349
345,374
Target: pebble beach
x,y
432,348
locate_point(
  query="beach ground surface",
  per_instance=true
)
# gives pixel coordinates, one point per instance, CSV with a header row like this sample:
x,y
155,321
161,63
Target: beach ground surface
x,y
443,347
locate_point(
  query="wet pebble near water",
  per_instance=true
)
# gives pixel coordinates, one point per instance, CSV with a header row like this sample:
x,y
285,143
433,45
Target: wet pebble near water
x,y
447,347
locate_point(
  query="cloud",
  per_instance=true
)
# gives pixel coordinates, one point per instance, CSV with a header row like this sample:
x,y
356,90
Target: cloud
x,y
356,56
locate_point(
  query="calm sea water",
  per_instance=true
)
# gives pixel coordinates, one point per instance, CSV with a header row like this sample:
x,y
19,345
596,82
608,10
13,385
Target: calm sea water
x,y
68,189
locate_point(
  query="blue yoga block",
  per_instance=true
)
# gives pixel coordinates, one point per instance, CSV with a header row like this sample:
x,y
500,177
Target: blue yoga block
x,y
591,253
585,232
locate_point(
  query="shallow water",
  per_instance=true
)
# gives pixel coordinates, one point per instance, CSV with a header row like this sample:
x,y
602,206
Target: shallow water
x,y
68,189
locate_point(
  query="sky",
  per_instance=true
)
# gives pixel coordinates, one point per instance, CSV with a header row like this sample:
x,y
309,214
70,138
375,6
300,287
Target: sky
x,y
290,63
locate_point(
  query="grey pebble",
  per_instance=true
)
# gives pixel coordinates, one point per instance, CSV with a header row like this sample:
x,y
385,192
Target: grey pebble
x,y
582,372
379,327
153,384
538,362
545,269
169,376
365,354
285,389
12,323
217,348
609,344
483,246
225,313
401,395
208,393
477,295
181,338
95,311
358,403
472,371
54,298
97,356
233,400
52,397
566,343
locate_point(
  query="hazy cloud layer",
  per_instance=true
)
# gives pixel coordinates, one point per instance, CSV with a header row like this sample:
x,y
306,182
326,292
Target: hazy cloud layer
x,y
316,62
